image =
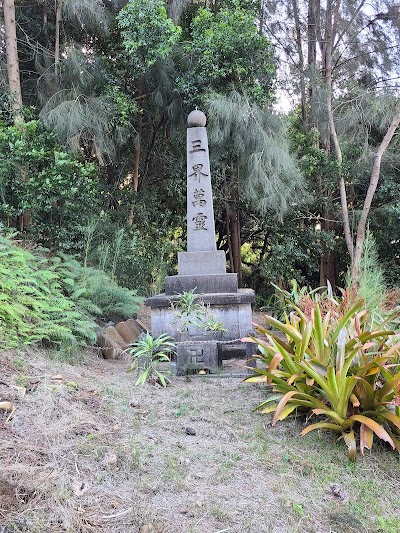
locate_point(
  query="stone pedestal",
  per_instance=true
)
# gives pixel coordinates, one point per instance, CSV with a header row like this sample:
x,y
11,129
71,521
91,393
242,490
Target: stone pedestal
x,y
202,269
192,356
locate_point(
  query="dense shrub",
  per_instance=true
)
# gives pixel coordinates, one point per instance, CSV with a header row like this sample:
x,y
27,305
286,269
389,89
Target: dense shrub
x,y
93,291
55,299
56,189
32,304
334,368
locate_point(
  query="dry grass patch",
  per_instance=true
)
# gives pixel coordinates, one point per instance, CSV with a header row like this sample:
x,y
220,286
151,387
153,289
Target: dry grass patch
x,y
87,452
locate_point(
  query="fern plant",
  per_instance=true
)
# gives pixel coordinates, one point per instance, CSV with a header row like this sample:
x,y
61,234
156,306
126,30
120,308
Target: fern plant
x,y
32,305
93,291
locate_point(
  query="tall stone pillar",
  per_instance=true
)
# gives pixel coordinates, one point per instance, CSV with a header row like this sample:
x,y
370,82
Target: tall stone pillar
x,y
202,268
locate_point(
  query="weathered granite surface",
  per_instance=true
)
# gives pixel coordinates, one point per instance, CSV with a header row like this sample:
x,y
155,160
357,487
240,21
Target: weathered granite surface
x,y
202,269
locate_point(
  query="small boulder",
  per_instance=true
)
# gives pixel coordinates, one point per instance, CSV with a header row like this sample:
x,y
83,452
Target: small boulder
x,y
128,330
111,343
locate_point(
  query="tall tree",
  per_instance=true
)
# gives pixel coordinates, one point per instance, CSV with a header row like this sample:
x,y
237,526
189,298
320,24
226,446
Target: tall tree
x,y
346,42
10,38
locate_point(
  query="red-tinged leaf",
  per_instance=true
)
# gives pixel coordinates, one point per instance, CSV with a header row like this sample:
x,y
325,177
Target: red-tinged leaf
x,y
293,378
394,419
366,438
368,345
350,440
320,425
274,364
396,441
282,404
247,339
376,428
334,416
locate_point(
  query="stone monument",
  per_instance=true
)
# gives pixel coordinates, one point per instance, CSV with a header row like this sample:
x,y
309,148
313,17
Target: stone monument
x,y
202,269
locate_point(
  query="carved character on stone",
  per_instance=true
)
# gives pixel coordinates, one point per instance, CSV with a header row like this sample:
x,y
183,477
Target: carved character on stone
x,y
196,145
199,198
200,221
197,172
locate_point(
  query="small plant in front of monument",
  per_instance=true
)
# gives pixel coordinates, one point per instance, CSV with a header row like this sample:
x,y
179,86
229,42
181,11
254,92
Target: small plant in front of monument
x,y
148,354
212,324
191,311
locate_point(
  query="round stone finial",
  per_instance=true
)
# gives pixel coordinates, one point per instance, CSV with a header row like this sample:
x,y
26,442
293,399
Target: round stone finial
x,y
196,119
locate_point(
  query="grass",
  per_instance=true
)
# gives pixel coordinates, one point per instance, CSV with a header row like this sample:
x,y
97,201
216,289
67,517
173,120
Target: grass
x,y
237,472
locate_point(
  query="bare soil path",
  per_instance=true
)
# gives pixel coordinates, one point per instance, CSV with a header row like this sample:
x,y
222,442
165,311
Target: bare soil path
x,y
86,451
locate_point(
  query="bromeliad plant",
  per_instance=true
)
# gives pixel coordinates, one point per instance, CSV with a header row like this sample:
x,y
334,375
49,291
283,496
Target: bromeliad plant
x,y
334,369
148,352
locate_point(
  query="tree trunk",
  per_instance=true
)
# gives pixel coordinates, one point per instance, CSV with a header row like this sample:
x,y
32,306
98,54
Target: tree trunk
x,y
373,183
135,175
233,226
57,38
301,65
311,59
10,37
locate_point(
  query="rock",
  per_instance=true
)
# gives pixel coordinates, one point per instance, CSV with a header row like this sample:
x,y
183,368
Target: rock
x,y
109,460
111,343
145,529
134,403
190,431
128,330
337,491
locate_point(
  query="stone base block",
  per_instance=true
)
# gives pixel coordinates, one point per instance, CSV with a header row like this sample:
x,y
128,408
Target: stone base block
x,y
210,283
195,356
201,263
232,310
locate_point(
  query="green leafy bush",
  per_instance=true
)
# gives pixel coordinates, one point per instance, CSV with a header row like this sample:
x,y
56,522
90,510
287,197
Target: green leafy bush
x,y
57,188
93,291
32,304
333,368
148,34
227,52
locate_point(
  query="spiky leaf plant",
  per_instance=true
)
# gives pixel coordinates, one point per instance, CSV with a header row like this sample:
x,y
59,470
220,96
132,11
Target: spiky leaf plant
x,y
148,352
335,370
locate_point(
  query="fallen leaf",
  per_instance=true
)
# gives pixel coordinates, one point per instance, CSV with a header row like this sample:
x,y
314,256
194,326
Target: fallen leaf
x,y
7,406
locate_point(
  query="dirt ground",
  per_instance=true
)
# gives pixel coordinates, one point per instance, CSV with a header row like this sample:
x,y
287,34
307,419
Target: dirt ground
x,y
85,451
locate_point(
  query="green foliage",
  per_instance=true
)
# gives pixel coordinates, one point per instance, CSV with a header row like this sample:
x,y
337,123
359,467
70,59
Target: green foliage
x,y
148,352
256,140
93,291
33,306
190,310
229,54
57,188
333,366
370,282
148,34
90,113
